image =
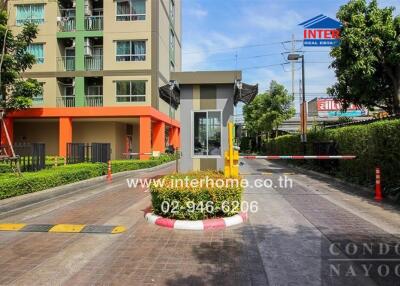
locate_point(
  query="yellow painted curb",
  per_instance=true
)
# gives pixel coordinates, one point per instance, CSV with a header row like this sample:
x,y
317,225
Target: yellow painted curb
x,y
118,229
11,226
67,228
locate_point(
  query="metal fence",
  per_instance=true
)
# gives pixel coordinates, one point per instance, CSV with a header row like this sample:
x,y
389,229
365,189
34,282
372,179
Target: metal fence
x,y
83,152
32,156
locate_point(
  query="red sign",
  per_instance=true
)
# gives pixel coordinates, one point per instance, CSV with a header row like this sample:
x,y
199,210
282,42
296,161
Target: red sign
x,y
328,104
322,34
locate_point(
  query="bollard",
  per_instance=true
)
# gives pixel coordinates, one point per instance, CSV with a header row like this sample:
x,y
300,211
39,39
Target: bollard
x,y
378,189
177,160
65,160
56,162
109,175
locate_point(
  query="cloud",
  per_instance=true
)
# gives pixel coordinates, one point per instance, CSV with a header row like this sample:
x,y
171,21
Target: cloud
x,y
198,49
197,12
286,21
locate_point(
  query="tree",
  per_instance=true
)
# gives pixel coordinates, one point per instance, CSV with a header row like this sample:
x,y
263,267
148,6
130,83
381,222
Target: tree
x,y
15,92
367,61
268,110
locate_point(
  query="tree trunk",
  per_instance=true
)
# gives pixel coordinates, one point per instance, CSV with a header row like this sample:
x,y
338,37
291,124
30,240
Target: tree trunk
x,y
396,101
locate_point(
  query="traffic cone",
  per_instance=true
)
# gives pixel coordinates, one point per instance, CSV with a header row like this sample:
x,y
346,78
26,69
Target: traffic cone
x,y
109,175
378,188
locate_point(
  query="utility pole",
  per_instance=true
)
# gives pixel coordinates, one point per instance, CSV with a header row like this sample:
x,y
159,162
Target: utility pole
x,y
303,108
293,65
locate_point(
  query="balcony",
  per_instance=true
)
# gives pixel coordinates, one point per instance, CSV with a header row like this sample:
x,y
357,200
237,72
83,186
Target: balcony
x,y
67,21
94,63
66,63
93,100
94,23
66,101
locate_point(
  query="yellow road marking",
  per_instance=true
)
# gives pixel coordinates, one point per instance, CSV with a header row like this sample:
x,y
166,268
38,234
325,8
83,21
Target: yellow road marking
x,y
11,226
67,228
118,229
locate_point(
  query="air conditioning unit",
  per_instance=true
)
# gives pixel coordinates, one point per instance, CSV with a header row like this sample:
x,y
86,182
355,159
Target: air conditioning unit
x,y
88,47
88,8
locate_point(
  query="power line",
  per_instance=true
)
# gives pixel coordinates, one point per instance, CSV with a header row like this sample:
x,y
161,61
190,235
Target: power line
x,y
234,48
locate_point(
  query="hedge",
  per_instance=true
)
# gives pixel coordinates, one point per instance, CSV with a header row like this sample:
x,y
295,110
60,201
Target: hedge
x,y
129,165
374,144
49,163
33,182
171,197
11,185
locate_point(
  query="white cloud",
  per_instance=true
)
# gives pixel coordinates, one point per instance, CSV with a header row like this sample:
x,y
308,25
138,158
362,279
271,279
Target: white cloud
x,y
197,12
273,19
195,58
199,48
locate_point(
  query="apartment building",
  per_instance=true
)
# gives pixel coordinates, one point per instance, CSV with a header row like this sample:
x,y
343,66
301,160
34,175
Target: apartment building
x,y
101,63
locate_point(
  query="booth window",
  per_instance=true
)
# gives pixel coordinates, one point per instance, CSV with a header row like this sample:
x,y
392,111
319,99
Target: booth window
x,y
207,133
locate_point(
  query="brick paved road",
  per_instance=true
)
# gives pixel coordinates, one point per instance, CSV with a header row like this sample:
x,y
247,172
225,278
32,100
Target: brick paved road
x,y
280,245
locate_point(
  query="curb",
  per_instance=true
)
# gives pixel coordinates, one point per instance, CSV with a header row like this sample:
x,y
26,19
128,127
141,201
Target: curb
x,y
12,204
337,180
207,224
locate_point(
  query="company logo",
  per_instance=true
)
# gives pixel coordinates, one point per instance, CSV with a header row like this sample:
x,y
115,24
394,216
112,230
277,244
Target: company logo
x,y
321,31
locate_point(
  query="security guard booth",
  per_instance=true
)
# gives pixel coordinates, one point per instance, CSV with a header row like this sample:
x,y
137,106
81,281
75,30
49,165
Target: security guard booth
x,y
207,101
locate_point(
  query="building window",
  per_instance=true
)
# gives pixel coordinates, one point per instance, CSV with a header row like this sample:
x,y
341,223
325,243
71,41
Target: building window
x,y
38,100
33,13
207,133
172,11
37,51
131,10
131,51
131,91
171,46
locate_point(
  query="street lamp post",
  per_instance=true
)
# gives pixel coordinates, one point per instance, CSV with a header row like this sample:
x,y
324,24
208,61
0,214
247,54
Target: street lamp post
x,y
303,115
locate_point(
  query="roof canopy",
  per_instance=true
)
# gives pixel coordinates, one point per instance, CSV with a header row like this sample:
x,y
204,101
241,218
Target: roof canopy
x,y
246,93
170,95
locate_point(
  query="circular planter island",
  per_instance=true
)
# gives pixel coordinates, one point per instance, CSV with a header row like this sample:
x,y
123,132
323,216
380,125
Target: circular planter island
x,y
197,201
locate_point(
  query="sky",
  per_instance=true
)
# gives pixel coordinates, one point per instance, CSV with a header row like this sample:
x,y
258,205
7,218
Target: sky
x,y
254,36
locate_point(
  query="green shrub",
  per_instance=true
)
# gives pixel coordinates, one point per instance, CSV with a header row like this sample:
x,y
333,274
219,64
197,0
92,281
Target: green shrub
x,y
49,163
374,144
173,198
129,165
12,185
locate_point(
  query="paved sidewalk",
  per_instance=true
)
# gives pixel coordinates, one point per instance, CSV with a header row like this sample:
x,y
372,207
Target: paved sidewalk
x,y
279,245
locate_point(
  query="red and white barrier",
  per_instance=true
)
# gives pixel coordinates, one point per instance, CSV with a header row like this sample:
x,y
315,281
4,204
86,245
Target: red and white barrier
x,y
137,154
318,157
207,224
